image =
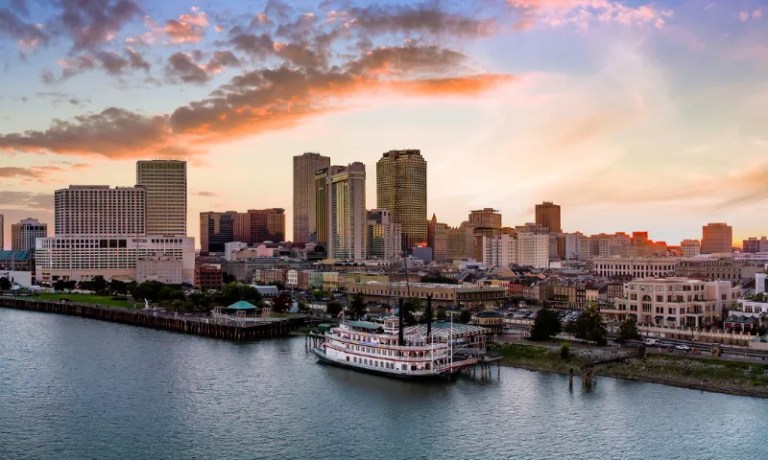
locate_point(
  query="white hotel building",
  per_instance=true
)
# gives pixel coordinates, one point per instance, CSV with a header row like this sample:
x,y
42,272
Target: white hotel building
x,y
103,231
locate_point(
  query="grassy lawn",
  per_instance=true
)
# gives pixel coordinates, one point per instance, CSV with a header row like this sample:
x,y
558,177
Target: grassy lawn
x,y
536,357
104,300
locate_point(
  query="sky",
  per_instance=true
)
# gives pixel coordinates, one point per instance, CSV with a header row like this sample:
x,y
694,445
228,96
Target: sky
x,y
632,115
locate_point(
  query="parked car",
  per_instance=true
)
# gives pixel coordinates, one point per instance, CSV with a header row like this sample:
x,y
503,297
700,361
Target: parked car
x,y
683,347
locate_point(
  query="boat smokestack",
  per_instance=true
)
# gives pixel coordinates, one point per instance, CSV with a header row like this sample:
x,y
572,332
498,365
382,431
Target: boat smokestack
x,y
429,316
400,337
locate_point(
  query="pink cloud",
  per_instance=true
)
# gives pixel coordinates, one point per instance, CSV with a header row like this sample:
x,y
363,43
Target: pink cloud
x,y
583,13
188,28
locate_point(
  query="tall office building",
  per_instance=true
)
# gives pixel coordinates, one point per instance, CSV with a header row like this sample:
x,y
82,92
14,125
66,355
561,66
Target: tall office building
x,y
216,229
401,188
266,225
24,234
304,200
716,238
548,215
341,211
100,210
486,217
166,184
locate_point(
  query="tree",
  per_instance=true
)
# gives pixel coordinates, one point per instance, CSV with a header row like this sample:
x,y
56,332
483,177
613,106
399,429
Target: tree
x,y
545,325
282,303
229,278
628,329
590,326
441,316
5,284
357,308
98,284
465,316
118,287
333,308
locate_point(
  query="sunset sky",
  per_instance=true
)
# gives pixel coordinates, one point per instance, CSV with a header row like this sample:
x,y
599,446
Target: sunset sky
x,y
631,115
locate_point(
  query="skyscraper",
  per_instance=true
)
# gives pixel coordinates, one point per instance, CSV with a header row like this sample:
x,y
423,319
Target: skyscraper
x,y
486,217
304,201
341,209
716,237
384,237
100,210
24,234
401,188
166,184
548,215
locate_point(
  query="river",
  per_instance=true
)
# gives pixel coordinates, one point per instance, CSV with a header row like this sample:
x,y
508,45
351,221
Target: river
x,y
73,388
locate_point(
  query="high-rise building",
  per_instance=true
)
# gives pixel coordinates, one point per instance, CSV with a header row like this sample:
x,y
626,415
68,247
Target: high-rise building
x,y
24,234
437,239
166,185
100,210
304,200
486,217
533,250
216,229
384,236
401,188
343,213
716,238
548,215
266,225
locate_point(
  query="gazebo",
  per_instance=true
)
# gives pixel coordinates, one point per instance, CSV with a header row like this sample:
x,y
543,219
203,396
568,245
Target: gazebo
x,y
240,310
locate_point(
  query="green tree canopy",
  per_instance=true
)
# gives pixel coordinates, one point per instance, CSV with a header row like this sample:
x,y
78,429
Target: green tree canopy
x,y
282,303
357,307
545,325
5,284
590,326
628,329
465,316
333,308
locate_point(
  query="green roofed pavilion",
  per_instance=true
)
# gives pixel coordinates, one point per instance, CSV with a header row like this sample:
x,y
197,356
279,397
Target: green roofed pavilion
x,y
242,305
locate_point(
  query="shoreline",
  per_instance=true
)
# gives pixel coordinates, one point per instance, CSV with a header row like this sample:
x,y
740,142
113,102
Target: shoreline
x,y
732,378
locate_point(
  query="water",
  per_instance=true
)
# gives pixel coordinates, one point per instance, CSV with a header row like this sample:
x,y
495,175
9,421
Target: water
x,y
82,389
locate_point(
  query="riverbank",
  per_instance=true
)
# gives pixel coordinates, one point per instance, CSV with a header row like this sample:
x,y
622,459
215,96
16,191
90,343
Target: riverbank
x,y
706,374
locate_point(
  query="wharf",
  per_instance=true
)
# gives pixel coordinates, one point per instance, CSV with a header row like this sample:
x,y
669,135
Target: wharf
x,y
203,326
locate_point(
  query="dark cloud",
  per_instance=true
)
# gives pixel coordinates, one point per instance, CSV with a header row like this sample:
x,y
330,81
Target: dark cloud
x,y
222,59
27,34
417,18
92,22
255,45
58,98
182,67
26,200
409,59
114,132
136,60
113,63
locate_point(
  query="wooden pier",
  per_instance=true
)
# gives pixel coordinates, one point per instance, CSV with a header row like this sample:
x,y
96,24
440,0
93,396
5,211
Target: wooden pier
x,y
154,319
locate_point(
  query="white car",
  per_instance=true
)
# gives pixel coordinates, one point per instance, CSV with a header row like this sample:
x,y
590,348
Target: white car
x,y
683,347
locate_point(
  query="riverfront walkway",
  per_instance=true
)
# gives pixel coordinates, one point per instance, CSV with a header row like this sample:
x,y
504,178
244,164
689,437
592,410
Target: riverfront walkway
x,y
170,321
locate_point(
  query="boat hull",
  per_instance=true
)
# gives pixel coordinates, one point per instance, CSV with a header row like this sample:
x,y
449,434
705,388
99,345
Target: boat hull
x,y
414,377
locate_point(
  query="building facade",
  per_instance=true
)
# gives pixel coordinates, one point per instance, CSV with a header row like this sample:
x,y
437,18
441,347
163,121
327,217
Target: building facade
x,y
80,258
24,234
166,198
342,219
100,210
548,215
304,200
486,217
716,238
674,302
401,188
690,248
635,267
216,230
384,236
754,245
266,225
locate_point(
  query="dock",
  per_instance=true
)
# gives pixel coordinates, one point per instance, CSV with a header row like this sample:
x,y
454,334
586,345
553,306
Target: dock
x,y
169,321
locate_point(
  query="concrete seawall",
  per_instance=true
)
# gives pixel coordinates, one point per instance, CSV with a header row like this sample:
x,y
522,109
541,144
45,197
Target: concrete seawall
x,y
157,320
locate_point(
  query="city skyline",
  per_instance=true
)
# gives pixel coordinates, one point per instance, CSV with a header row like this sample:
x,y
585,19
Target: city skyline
x,y
511,104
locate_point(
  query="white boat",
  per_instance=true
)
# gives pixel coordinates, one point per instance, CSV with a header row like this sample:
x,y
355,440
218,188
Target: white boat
x,y
420,352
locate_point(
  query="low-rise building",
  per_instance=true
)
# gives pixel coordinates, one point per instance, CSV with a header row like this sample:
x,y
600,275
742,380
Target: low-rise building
x,y
674,302
447,295
209,276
